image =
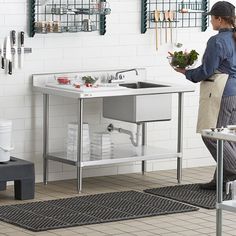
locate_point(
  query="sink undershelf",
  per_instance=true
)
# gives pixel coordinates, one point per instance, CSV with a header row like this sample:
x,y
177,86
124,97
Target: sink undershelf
x,y
122,154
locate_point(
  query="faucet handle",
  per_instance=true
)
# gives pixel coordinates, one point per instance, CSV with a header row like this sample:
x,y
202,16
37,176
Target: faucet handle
x,y
111,78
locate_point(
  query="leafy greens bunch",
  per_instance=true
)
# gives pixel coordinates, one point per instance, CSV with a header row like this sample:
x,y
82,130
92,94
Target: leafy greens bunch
x,y
89,79
183,59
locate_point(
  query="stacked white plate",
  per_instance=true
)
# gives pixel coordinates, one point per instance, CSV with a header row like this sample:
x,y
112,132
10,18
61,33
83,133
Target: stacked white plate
x,y
102,146
72,142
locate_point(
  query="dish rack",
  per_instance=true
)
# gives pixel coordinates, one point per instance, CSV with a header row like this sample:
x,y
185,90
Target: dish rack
x,y
185,14
60,16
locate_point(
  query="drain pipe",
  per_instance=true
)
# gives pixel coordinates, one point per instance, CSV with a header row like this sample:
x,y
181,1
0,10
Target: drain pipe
x,y
111,128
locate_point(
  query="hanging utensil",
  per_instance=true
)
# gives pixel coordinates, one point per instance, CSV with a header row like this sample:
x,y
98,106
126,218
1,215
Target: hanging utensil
x,y
2,56
171,18
186,10
8,55
161,19
15,55
177,44
22,39
166,18
156,19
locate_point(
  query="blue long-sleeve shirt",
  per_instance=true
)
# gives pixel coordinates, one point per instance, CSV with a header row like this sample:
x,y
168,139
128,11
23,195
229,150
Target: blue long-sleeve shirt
x,y
220,54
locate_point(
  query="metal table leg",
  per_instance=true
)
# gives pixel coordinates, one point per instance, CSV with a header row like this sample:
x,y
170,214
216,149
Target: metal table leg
x,y
80,145
144,142
45,136
180,136
219,190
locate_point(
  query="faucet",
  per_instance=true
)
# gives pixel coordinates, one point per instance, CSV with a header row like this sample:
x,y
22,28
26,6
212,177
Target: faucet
x,y
120,72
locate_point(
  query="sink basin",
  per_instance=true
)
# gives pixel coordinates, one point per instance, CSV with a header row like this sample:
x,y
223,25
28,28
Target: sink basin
x,y
140,108
141,85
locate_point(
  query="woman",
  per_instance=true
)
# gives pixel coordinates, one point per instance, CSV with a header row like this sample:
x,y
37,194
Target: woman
x,y
219,57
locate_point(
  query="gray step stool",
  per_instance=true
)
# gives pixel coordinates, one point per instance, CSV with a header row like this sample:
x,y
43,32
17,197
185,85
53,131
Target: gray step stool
x,y
22,173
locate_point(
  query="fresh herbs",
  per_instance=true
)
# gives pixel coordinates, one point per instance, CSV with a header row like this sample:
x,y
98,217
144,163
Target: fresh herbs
x,y
183,59
89,79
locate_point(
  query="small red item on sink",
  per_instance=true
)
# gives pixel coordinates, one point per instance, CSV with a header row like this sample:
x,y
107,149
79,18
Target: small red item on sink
x,y
76,85
63,80
89,85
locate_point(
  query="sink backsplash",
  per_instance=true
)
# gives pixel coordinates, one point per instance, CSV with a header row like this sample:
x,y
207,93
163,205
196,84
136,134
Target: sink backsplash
x,y
103,76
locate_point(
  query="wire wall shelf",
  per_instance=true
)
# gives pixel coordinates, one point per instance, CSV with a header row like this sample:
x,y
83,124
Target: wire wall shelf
x,y
60,16
174,14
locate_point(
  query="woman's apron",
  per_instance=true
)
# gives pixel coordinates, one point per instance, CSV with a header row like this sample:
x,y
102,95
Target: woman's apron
x,y
211,92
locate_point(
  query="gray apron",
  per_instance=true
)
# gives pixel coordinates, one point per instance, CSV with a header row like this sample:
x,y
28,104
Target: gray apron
x,y
211,92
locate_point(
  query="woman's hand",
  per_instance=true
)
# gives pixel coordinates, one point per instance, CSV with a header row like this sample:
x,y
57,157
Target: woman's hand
x,y
180,70
183,71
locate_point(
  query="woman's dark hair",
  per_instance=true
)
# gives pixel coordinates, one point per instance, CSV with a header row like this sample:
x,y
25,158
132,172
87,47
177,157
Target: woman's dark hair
x,y
230,20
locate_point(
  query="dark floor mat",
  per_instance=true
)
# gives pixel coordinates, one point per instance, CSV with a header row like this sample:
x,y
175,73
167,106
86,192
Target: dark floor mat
x,y
91,209
189,193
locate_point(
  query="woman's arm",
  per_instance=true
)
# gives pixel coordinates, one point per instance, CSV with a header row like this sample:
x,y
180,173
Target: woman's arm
x,y
212,58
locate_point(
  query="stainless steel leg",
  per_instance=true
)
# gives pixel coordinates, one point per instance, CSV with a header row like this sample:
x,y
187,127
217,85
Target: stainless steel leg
x,y
180,136
144,143
80,145
45,136
219,190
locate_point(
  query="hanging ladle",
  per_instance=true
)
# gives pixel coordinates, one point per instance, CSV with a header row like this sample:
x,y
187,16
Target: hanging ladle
x,y
177,44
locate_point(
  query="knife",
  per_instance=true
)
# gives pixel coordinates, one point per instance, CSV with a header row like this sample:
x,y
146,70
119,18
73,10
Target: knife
x,y
2,56
22,39
15,56
8,55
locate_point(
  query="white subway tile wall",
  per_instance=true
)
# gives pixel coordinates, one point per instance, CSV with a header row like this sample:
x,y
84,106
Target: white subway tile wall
x,y
123,46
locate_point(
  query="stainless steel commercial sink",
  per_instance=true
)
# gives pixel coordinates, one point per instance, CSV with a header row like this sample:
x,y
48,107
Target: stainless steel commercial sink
x,y
139,85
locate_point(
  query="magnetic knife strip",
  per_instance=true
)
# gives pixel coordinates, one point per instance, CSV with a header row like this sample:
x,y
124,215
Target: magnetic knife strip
x,y
26,50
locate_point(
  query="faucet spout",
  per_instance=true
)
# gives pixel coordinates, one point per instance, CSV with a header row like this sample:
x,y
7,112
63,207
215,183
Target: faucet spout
x,y
123,71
